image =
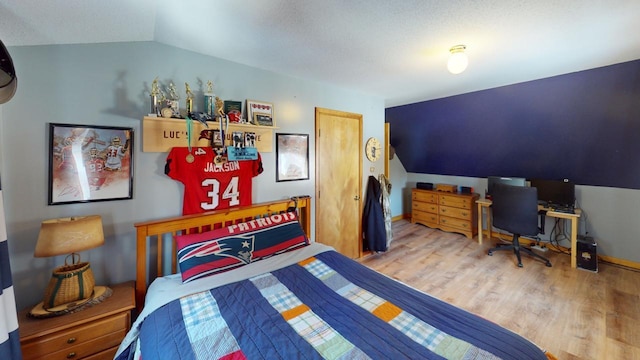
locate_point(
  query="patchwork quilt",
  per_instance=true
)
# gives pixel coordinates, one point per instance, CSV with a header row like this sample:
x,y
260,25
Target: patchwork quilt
x,y
323,307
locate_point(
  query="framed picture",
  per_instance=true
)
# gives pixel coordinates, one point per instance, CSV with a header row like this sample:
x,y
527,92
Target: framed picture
x,y
260,111
233,109
292,157
262,120
217,140
89,163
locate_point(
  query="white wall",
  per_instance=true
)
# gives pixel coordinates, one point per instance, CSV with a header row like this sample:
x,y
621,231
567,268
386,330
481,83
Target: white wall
x,y
107,84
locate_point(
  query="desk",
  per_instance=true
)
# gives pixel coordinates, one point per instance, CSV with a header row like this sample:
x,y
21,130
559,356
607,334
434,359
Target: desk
x,y
485,204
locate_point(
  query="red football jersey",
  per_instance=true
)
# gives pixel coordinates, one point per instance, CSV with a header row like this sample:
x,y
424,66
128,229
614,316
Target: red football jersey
x,y
208,186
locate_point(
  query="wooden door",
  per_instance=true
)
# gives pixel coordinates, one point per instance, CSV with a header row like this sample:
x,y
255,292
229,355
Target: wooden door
x,y
339,181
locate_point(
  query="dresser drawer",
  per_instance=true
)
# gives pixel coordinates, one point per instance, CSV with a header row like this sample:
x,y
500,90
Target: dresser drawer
x,y
459,213
463,202
96,336
425,206
424,196
424,217
456,223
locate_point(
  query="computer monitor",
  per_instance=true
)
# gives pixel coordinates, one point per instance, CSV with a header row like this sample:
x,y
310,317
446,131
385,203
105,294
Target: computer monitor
x,y
514,181
559,193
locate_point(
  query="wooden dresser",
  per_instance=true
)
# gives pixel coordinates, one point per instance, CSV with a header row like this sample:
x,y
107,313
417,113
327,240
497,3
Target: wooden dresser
x,y
445,211
93,333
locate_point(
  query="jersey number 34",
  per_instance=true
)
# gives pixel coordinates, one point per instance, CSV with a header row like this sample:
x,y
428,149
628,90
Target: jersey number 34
x,y
231,193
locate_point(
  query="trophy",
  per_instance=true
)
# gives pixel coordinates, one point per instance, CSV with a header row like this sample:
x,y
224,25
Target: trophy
x,y
208,100
172,100
220,109
155,91
189,100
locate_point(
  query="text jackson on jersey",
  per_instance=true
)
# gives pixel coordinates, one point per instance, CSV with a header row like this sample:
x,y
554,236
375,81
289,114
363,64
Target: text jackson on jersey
x,y
224,167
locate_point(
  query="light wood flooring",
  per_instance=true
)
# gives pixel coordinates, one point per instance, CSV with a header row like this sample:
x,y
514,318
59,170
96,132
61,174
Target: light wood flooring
x,y
573,313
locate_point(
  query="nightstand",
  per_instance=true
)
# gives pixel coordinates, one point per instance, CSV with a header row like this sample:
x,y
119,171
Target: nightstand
x,y
93,333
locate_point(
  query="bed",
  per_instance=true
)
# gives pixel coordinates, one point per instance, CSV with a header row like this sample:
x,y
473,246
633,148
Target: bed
x,y
287,298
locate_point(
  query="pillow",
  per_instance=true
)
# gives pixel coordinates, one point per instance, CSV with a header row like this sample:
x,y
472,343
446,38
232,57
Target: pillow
x,y
230,247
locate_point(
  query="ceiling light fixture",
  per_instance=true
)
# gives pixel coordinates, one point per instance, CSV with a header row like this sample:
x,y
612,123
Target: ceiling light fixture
x,y
458,60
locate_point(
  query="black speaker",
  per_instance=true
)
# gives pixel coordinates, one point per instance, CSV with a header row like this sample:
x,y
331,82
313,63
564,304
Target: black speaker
x,y
424,186
466,190
587,255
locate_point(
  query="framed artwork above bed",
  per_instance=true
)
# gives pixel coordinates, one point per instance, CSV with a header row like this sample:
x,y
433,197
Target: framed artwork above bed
x,y
90,163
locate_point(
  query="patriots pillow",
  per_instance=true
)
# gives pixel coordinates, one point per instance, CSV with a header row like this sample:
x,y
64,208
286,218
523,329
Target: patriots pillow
x,y
227,248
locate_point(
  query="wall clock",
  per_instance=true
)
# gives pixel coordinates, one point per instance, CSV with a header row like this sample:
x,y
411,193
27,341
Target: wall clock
x,y
373,149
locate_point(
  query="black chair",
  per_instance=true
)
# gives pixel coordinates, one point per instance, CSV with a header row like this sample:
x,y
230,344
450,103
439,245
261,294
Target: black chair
x,y
515,209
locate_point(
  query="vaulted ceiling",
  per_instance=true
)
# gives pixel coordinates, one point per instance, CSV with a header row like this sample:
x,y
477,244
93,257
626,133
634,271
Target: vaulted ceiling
x,y
396,50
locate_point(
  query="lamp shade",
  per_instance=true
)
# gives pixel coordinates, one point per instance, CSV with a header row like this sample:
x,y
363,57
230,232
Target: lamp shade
x,y
69,235
458,60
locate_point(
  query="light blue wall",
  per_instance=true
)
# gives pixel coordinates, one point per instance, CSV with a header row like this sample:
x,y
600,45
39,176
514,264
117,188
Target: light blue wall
x,y
107,84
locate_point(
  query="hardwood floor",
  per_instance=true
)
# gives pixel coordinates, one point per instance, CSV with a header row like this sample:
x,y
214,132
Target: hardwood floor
x,y
573,313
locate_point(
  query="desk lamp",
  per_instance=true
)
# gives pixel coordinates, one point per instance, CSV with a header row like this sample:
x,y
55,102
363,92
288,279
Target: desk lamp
x,y
71,285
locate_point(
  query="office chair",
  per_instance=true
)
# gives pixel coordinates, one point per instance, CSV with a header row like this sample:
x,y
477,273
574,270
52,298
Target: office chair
x,y
515,209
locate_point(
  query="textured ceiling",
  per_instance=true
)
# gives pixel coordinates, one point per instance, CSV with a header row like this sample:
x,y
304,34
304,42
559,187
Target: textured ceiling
x,y
396,50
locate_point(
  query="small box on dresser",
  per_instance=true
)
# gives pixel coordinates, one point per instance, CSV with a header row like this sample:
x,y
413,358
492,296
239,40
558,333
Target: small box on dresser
x,y
445,211
92,333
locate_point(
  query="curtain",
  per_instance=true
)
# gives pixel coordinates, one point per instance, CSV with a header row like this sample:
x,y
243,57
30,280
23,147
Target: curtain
x,y
9,336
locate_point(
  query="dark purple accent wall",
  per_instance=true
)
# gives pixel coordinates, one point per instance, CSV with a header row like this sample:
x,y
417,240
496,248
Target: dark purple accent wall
x,y
582,126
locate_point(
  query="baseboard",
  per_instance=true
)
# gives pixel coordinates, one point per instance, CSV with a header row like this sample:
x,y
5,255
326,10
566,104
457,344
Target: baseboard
x,y
400,217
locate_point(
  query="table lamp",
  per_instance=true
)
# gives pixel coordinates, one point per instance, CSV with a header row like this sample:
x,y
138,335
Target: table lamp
x,y
72,284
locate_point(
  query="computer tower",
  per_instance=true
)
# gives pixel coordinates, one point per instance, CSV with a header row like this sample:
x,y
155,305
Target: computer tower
x,y
587,256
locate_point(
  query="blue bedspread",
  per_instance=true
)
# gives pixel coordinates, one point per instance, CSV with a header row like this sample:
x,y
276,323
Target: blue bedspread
x,y
325,307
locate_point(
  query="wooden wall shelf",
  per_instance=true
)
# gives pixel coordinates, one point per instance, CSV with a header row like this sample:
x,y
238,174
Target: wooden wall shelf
x,y
161,134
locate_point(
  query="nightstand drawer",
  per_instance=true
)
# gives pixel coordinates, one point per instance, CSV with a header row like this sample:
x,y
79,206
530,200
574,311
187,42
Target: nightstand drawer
x,y
108,354
89,348
96,336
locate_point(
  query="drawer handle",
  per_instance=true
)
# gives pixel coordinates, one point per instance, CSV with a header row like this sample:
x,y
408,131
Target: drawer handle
x,y
443,221
71,355
464,214
444,210
71,340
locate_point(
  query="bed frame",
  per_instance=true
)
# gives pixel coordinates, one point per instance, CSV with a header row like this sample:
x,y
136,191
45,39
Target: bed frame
x,y
162,229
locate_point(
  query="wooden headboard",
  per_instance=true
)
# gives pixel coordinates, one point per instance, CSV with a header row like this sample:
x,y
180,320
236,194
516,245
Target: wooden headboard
x,y
159,230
